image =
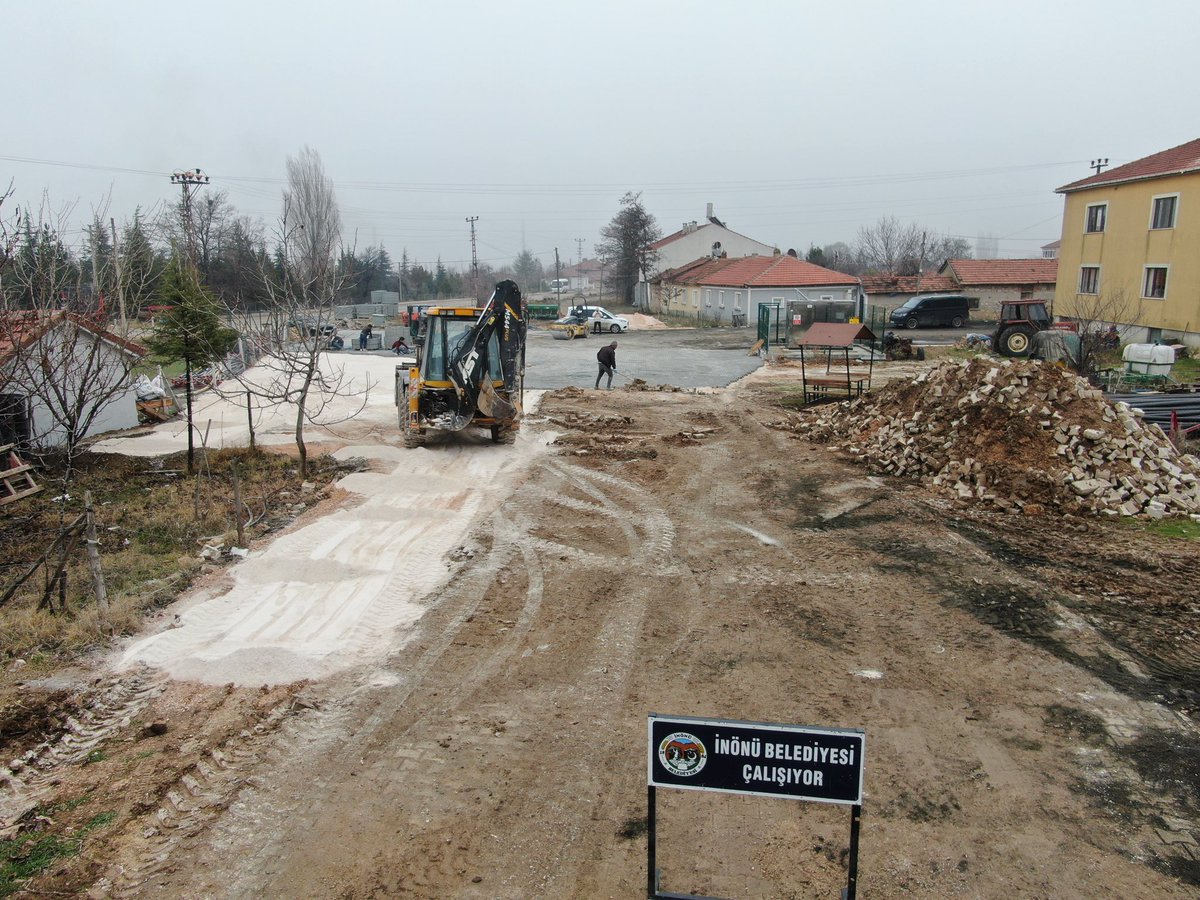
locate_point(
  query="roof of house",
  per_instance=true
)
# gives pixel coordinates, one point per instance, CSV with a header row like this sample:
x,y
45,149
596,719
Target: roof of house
x,y
20,329
1176,161
756,271
971,272
835,334
684,232
1053,245
930,283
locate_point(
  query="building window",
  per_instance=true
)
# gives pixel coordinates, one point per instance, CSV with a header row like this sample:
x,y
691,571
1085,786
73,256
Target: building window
x,y
1154,287
707,297
737,302
1096,214
721,298
1089,279
1162,211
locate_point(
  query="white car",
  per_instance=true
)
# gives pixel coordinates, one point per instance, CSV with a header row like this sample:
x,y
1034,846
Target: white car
x,y
608,321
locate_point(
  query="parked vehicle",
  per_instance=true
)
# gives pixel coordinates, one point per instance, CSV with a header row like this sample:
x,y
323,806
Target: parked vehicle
x,y
1019,321
608,321
932,311
569,327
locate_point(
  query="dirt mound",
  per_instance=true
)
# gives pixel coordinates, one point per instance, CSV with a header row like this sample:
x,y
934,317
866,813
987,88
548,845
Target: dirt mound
x,y
641,320
640,384
1020,435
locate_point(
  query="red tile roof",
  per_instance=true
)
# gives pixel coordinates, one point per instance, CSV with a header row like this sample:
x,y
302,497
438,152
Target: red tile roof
x,y
756,271
980,272
931,283
1176,161
20,329
835,334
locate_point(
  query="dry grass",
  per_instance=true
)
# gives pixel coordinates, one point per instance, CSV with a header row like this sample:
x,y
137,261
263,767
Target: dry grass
x,y
151,528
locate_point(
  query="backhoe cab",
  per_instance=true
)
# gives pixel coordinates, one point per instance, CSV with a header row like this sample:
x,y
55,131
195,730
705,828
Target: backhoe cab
x,y
470,370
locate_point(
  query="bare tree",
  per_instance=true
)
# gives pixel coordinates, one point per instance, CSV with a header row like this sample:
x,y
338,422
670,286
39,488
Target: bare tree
x,y
1104,320
312,223
294,331
895,248
626,247
70,358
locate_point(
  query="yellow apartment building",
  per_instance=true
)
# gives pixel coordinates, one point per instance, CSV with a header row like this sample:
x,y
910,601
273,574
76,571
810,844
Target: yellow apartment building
x,y
1130,251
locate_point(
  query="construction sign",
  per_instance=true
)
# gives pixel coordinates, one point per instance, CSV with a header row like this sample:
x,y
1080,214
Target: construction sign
x,y
792,761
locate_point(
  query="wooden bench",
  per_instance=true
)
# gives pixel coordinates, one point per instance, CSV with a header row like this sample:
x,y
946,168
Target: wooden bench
x,y
819,388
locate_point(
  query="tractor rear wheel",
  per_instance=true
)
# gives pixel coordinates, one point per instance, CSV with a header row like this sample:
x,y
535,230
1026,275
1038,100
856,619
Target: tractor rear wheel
x,y
1015,340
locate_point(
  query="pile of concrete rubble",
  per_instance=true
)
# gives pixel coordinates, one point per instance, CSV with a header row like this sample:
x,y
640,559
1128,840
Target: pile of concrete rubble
x,y
1024,436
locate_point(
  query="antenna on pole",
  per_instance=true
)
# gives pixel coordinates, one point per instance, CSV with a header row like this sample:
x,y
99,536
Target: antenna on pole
x,y
188,181
471,220
579,244
1099,164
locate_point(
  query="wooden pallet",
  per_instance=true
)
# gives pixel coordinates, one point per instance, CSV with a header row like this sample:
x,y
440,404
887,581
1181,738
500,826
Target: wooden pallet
x,y
16,478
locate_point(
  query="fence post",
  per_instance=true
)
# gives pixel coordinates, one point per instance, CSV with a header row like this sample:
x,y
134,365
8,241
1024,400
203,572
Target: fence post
x,y
250,420
237,507
93,555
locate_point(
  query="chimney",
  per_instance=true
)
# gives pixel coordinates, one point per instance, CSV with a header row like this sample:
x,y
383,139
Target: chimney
x,y
776,253
708,212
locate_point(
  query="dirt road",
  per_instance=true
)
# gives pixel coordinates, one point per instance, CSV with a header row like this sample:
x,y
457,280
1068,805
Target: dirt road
x,y
676,554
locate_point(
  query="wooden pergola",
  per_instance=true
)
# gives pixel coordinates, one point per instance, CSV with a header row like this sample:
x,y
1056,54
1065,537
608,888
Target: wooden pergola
x,y
831,337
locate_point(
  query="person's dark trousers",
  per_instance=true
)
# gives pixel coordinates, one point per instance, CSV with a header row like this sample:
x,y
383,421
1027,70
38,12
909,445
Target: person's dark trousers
x,y
604,370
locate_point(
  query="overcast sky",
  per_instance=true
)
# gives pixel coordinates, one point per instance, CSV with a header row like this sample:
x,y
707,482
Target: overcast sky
x,y
800,121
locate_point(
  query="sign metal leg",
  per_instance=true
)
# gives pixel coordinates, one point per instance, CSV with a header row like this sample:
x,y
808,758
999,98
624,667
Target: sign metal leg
x,y
651,874
852,873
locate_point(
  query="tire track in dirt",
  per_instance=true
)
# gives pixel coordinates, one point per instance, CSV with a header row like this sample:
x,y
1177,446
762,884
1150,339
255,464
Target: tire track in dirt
x,y
394,737
105,711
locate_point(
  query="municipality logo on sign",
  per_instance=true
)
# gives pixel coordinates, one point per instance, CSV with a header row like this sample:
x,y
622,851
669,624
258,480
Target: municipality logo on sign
x,y
682,754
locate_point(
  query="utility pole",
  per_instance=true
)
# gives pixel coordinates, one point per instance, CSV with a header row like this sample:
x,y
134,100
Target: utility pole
x,y
471,220
579,254
188,182
1099,165
921,262
557,282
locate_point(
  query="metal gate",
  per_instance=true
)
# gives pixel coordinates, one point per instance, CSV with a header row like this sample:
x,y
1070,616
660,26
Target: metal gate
x,y
772,325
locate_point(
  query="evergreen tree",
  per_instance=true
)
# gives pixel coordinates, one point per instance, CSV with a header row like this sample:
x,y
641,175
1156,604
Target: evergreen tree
x,y
190,331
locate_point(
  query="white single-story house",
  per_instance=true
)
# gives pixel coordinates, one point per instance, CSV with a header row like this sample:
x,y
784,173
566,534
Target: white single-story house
x,y
730,290
61,366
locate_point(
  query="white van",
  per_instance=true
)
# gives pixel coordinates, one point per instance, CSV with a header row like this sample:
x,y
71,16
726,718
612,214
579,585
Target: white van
x,y
563,283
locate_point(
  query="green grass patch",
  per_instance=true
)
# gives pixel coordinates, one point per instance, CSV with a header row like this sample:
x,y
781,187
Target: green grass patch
x,y
1186,370
1184,529
32,851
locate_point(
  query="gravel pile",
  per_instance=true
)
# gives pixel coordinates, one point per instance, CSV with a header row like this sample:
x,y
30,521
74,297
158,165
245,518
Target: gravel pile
x,y
1023,436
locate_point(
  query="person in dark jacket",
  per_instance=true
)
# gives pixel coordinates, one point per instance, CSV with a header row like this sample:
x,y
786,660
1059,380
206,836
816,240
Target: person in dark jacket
x,y
607,357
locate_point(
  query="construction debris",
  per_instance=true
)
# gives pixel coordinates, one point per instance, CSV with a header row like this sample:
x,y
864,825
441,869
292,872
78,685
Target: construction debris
x,y
1022,436
16,476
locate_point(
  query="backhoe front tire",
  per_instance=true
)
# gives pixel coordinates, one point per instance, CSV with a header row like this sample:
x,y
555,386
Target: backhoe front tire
x,y
413,438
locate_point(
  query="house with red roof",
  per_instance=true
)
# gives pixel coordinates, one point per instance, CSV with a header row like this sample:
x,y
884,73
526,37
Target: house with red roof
x,y
61,367
986,282
728,290
1130,249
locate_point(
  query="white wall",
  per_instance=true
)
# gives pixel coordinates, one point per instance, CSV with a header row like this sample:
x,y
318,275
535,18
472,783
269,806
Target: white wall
x,y
119,412
699,243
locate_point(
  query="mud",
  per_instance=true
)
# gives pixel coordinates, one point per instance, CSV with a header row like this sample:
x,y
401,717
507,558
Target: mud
x,y
1027,709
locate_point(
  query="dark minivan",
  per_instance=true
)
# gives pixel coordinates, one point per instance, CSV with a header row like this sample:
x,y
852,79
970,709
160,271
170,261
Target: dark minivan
x,y
932,310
